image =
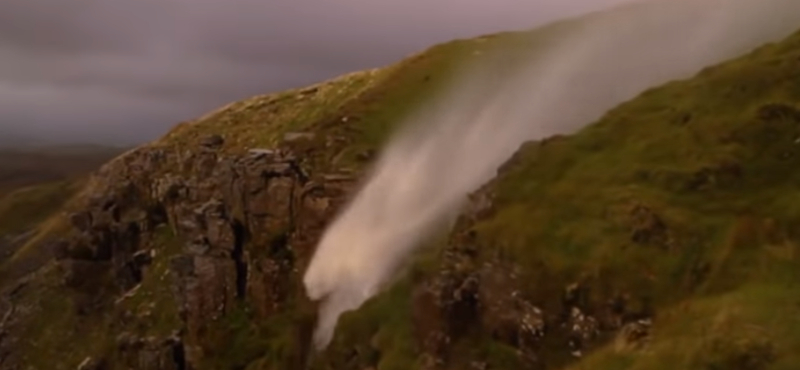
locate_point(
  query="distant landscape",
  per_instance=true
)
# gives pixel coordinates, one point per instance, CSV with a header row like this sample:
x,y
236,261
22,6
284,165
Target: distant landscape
x,y
34,164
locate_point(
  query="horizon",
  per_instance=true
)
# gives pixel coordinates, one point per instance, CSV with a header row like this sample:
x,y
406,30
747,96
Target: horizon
x,y
93,76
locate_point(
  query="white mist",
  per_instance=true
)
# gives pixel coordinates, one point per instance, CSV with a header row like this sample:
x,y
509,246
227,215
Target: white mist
x,y
457,143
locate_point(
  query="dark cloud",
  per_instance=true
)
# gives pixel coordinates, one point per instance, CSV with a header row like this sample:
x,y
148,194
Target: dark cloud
x,y
125,71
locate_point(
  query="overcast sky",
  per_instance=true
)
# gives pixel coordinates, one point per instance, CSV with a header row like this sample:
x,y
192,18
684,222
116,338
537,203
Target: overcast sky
x,y
125,71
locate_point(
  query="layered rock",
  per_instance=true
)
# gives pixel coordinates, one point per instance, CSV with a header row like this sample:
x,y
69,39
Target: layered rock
x,y
246,224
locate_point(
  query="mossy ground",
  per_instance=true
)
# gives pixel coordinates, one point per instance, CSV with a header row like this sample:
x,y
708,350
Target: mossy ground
x,y
58,336
714,159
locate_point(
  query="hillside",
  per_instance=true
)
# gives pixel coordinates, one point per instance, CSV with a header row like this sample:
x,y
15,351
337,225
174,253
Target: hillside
x,y
32,165
35,182
662,236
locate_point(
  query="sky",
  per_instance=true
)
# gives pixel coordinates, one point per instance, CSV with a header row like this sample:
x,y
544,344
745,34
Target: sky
x,y
123,72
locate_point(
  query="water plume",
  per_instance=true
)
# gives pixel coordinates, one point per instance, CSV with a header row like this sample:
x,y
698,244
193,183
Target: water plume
x,y
456,143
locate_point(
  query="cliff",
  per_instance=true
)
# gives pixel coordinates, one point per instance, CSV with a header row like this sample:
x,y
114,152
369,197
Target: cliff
x,y
664,235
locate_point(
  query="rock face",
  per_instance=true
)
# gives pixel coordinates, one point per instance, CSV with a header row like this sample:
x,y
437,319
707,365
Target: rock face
x,y
245,224
243,228
477,289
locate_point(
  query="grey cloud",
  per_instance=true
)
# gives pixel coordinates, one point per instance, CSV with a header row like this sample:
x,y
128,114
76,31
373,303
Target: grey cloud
x,y
125,71
86,26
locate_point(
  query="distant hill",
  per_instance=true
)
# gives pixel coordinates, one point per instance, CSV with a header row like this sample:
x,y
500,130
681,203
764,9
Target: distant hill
x,y
27,165
11,139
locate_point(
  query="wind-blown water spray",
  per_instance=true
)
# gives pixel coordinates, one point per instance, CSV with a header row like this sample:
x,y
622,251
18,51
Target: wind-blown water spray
x,y
457,143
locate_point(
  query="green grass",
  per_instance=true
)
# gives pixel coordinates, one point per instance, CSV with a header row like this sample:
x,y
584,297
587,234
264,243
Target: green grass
x,y
35,213
753,327
55,337
379,333
355,113
714,158
261,121
27,207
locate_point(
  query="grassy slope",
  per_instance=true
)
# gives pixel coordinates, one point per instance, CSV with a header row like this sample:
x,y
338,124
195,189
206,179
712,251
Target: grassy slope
x,y
36,182
715,158
35,186
31,205
35,165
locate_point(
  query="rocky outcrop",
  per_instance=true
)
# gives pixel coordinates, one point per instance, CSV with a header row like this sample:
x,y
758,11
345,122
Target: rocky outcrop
x,y
246,225
243,227
479,291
